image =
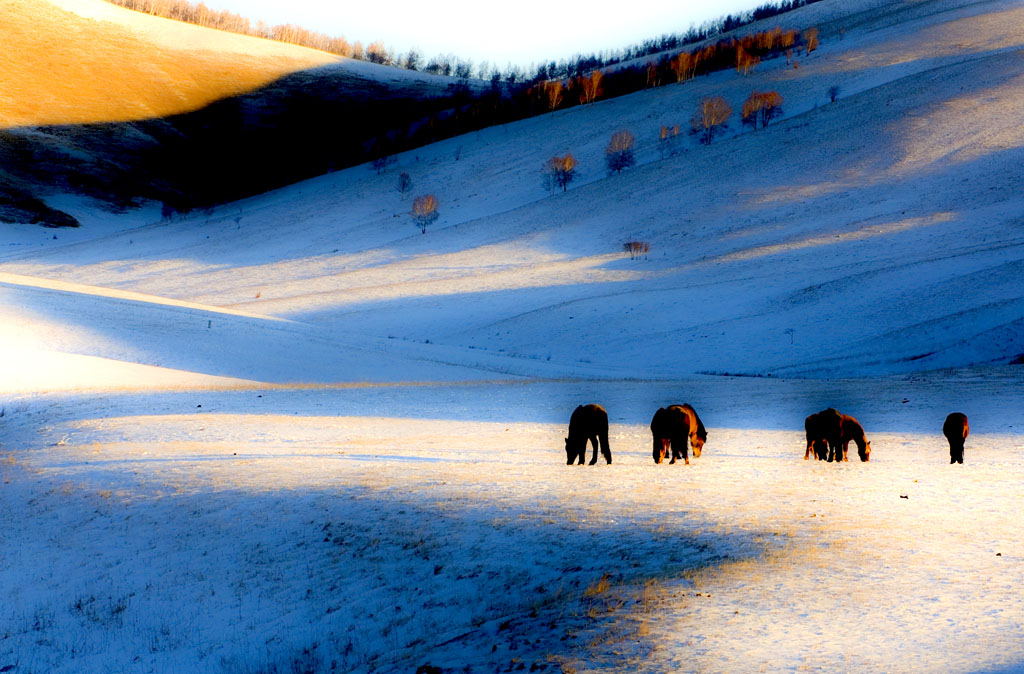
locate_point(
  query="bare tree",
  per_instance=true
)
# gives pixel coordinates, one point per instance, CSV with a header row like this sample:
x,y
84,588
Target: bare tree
x,y
833,92
668,139
424,211
711,117
381,164
619,153
412,60
745,60
376,52
404,184
590,86
748,113
682,66
653,75
763,106
553,93
810,40
559,172
637,248
464,69
771,106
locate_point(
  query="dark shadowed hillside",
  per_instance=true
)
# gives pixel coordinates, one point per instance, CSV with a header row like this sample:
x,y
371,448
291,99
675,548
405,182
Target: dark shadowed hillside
x,y
122,106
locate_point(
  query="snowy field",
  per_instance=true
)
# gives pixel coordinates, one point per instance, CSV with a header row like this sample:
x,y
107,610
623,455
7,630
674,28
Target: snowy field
x,y
295,435
371,529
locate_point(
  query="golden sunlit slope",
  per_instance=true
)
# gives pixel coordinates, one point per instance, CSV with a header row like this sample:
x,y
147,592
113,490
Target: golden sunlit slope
x,y
84,61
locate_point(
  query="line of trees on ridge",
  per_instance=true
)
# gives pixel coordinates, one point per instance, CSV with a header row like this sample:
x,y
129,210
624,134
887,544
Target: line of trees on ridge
x,y
295,150
473,110
451,65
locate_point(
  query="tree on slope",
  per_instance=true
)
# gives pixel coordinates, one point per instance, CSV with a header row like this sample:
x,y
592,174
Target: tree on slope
x,y
771,106
683,66
619,153
763,106
745,60
559,172
711,117
404,183
590,86
424,211
552,93
810,37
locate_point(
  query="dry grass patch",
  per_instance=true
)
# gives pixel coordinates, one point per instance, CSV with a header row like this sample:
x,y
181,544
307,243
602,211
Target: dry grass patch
x,y
70,69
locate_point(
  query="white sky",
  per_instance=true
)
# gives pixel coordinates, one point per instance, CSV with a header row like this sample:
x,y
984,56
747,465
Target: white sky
x,y
522,32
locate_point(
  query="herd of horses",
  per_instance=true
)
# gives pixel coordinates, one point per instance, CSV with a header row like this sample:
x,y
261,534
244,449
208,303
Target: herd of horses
x,y
829,434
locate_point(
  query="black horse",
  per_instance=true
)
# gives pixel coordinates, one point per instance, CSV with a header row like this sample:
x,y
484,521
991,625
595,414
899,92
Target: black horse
x,y
955,429
823,430
588,422
671,426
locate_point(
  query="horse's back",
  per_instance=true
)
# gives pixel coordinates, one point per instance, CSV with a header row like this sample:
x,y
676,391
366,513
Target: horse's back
x,y
589,420
696,425
670,421
956,427
851,428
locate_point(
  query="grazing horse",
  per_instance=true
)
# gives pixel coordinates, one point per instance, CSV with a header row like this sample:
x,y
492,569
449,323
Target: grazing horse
x,y
852,430
670,427
588,422
829,434
955,429
823,430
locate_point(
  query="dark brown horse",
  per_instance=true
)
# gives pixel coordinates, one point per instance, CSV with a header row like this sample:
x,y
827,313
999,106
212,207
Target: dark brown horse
x,y
588,422
823,430
829,434
955,429
671,426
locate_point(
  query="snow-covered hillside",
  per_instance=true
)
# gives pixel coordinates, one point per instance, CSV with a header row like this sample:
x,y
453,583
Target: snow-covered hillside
x,y
295,434
880,233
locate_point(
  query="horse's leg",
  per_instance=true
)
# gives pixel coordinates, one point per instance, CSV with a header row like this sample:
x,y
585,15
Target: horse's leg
x,y
593,440
659,450
606,449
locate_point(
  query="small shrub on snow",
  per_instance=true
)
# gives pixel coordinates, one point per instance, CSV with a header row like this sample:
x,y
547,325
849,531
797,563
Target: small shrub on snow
x,y
668,140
